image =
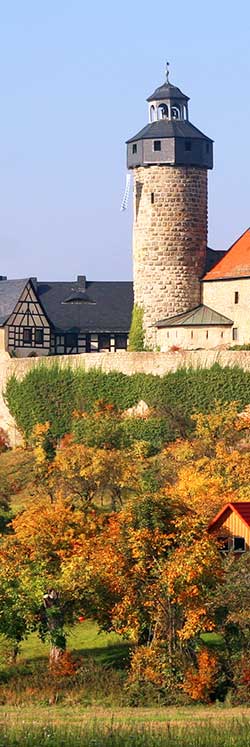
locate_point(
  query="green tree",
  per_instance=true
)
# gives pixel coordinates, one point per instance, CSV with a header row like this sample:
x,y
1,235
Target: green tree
x,y
136,334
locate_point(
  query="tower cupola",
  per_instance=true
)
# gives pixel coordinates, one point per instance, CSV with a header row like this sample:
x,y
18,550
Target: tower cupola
x,y
169,138
168,102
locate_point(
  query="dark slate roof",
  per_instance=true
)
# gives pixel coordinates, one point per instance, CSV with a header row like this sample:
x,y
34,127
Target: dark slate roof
x,y
198,317
164,128
167,91
212,257
10,291
104,307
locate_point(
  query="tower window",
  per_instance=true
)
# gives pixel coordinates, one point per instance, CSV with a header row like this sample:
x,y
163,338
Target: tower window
x,y
175,112
207,334
163,111
207,147
235,333
221,334
134,148
192,335
236,297
152,198
188,145
157,145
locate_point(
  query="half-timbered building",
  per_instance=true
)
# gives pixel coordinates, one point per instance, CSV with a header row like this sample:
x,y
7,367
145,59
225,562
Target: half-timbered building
x,y
61,318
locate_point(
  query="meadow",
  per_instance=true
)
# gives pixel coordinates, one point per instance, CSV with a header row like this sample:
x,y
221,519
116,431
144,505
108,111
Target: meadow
x,y
93,714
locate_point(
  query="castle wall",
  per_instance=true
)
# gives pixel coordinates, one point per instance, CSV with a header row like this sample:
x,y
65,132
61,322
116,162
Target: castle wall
x,y
169,240
128,363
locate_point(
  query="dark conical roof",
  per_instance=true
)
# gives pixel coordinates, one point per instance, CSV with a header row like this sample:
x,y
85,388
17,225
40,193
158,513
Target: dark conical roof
x,y
167,91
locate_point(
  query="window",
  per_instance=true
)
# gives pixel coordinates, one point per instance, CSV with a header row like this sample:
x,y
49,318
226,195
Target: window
x,y
188,145
239,544
207,147
121,342
163,111
134,148
175,112
152,113
235,333
39,336
168,335
221,334
103,343
71,340
27,336
235,544
236,297
157,145
207,334
152,198
192,334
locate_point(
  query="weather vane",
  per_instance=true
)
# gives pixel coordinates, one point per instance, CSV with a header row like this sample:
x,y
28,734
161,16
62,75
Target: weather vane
x,y
167,71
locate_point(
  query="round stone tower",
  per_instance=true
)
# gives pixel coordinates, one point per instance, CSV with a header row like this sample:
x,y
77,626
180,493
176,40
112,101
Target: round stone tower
x,y
170,158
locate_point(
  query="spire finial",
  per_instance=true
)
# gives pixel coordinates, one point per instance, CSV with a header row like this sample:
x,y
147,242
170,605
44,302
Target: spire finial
x,y
167,72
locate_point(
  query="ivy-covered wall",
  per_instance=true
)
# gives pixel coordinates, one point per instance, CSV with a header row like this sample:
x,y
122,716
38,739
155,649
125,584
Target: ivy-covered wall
x,y
54,393
134,364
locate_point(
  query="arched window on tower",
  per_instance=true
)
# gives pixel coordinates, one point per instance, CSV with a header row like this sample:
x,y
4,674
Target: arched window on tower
x,y
152,114
163,111
175,112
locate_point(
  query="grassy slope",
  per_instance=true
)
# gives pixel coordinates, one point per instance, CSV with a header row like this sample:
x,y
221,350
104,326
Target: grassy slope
x,y
105,648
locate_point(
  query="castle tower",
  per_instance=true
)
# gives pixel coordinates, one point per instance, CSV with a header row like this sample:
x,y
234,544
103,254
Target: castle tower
x,y
170,158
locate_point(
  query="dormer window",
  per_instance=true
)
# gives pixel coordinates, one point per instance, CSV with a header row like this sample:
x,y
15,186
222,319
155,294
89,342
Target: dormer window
x,y
157,145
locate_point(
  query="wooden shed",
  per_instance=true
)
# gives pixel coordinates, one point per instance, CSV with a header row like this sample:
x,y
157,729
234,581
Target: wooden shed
x,y
232,526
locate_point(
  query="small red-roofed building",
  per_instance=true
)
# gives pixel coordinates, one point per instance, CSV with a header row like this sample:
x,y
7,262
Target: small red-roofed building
x,y
226,288
232,527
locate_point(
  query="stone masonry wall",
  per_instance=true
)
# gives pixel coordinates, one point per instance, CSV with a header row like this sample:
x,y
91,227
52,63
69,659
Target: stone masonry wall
x,y
169,240
128,363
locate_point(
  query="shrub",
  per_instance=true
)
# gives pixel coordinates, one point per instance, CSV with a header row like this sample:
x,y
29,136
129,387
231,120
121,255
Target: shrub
x,y
200,683
4,441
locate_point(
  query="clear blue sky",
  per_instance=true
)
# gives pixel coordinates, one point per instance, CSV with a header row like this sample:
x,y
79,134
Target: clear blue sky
x,y
74,77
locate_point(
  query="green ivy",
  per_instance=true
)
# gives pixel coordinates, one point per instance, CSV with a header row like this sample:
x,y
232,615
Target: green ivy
x,y
52,393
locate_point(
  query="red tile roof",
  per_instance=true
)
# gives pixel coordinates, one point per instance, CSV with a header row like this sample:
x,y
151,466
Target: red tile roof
x,y
242,509
236,261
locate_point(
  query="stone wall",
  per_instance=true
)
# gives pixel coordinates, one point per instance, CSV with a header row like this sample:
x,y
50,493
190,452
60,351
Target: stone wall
x,y
193,338
169,240
128,363
220,295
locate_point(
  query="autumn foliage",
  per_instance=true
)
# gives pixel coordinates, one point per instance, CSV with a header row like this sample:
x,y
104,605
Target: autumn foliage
x,y
119,534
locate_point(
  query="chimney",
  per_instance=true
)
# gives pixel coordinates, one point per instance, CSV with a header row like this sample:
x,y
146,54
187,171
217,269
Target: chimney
x,y
81,280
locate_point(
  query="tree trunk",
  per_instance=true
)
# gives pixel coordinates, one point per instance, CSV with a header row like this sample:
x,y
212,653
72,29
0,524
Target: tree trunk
x,y
55,654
